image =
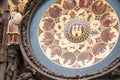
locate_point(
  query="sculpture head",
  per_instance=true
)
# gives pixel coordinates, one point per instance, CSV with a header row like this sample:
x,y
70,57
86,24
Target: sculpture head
x,y
16,8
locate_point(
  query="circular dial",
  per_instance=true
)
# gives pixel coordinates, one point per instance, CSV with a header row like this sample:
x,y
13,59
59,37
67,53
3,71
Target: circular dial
x,y
78,33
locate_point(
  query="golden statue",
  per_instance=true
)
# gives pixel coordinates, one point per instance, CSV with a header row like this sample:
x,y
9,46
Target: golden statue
x,y
15,18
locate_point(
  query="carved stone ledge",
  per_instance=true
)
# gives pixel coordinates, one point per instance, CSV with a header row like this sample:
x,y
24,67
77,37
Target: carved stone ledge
x,y
26,76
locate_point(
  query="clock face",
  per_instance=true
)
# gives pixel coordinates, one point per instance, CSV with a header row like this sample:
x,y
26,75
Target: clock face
x,y
75,37
78,33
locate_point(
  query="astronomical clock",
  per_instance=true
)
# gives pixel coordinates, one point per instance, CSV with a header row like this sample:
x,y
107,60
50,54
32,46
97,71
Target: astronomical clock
x,y
61,40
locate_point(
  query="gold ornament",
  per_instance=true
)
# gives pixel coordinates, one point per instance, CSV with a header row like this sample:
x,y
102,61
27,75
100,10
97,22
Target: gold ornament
x,y
21,5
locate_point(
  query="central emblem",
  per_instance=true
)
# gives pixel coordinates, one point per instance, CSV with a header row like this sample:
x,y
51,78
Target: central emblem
x,y
77,30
